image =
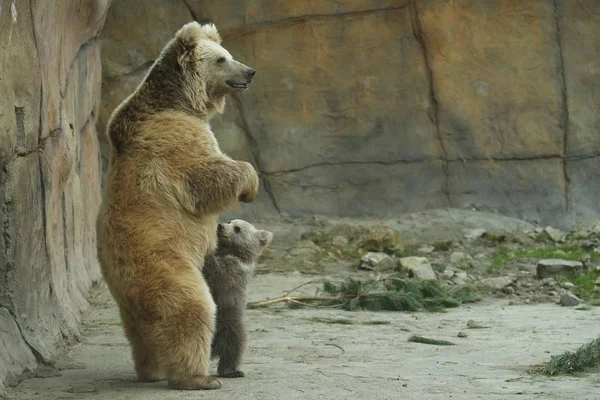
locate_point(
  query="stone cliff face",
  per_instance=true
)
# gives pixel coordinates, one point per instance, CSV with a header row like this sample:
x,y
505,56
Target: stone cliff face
x,y
50,173
365,107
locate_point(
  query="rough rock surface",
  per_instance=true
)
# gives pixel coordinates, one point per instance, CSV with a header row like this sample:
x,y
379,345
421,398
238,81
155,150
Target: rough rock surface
x,y
556,267
50,174
382,107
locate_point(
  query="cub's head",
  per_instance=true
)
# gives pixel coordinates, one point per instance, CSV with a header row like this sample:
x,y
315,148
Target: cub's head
x,y
241,239
204,69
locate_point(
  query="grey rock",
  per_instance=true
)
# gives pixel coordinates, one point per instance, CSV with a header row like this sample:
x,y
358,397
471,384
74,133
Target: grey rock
x,y
556,268
339,241
410,263
551,234
423,271
448,273
460,257
475,234
496,283
568,299
549,282
460,278
567,285
426,249
379,262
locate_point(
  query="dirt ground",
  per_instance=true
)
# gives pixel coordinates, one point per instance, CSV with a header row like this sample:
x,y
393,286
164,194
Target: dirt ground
x,y
291,356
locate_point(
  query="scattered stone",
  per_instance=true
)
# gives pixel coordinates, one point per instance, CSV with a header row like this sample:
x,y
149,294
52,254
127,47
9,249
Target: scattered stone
x,y
462,334
377,262
587,230
549,282
409,263
568,299
305,248
424,272
459,257
475,234
527,301
361,238
443,246
552,293
567,285
474,325
339,241
556,267
496,283
460,278
418,267
426,249
509,290
448,274
551,234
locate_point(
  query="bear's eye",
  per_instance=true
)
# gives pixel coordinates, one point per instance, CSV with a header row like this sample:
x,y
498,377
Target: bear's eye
x,y
221,60
237,229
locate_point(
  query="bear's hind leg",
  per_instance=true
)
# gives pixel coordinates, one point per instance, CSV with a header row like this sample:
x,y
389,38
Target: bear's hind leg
x,y
146,362
182,342
229,344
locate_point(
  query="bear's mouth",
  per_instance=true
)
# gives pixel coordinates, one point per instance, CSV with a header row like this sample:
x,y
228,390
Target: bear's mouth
x,y
238,85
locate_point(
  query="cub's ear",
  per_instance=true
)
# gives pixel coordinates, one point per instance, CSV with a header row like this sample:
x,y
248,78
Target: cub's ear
x,y
265,238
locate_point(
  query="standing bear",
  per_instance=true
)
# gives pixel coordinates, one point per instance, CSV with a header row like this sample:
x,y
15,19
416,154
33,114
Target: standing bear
x,y
166,185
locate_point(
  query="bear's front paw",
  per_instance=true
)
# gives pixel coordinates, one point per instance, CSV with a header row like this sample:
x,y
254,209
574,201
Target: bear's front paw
x,y
250,190
248,197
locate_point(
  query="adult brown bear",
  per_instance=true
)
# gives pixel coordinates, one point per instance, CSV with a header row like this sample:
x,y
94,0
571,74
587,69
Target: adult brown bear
x,y
167,183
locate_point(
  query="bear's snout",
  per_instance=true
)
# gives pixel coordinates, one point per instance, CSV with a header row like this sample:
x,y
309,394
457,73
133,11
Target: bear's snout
x,y
219,227
251,73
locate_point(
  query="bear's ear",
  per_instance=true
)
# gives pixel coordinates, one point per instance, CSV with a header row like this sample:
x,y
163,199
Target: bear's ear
x,y
265,238
188,38
210,32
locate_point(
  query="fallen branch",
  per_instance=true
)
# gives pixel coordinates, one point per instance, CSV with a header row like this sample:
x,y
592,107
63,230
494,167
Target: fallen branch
x,y
293,299
391,293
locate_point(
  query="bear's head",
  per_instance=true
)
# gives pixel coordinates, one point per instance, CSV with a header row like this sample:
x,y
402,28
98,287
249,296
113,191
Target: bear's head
x,y
241,239
196,67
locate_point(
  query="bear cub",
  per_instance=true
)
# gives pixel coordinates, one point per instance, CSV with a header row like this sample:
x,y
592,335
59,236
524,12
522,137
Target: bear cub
x,y
227,272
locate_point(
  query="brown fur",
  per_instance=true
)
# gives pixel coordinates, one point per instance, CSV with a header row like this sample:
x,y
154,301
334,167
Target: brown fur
x,y
167,183
227,273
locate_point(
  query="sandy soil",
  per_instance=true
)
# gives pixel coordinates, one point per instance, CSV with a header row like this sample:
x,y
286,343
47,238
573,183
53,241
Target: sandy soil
x,y
290,356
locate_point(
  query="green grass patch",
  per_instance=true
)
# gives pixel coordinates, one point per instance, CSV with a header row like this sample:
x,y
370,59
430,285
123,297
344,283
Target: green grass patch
x,y
572,252
584,285
585,359
344,321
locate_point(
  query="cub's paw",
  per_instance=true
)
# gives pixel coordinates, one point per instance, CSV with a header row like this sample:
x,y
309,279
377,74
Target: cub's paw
x,y
233,374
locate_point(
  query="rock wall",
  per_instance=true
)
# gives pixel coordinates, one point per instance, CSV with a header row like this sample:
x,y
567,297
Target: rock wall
x,y
50,173
380,107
